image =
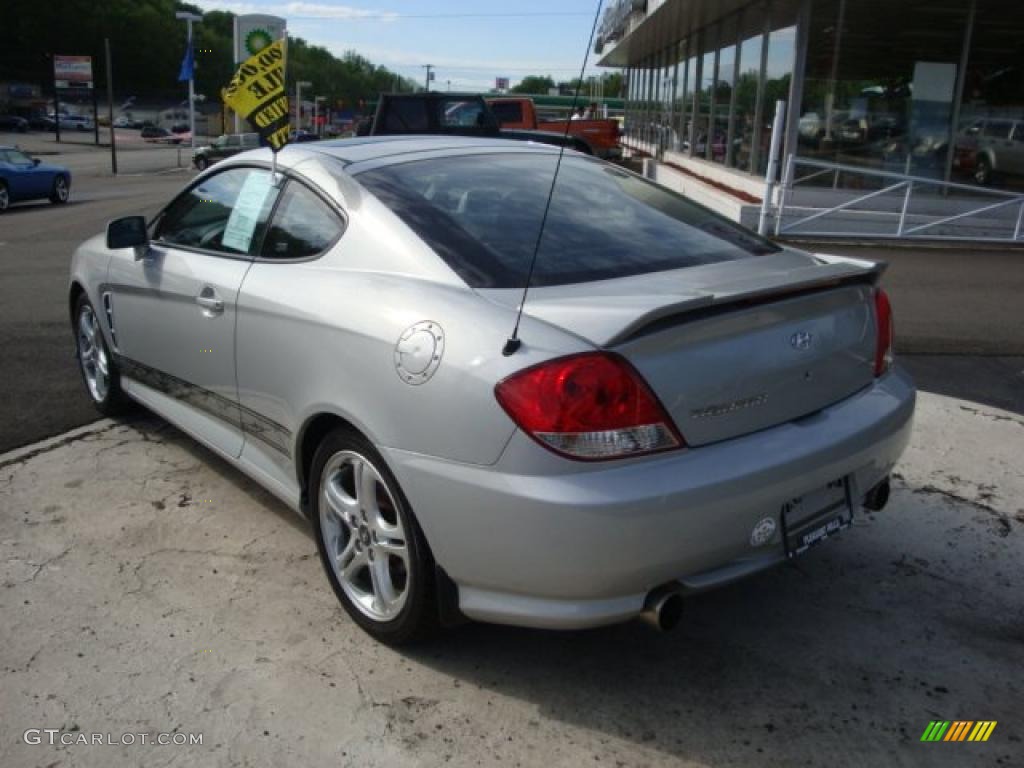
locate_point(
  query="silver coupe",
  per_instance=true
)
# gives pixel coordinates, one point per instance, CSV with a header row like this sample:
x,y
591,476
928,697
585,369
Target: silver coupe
x,y
682,405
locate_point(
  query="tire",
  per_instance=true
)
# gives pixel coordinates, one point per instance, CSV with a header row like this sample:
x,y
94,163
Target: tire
x,y
202,164
373,552
104,389
61,190
983,172
5,197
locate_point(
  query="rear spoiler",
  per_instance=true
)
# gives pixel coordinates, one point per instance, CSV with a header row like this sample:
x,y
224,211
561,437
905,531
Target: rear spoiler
x,y
734,297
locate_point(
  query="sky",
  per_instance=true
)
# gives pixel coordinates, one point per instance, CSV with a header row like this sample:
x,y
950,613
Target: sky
x,y
469,42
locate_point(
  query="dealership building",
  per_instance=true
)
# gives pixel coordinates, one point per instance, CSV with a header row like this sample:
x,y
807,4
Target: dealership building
x,y
902,117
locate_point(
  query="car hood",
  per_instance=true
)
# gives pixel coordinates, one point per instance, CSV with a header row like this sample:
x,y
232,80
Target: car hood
x,y
609,311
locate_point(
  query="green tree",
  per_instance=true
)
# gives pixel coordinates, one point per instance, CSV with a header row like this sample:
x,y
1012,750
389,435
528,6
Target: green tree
x,y
533,84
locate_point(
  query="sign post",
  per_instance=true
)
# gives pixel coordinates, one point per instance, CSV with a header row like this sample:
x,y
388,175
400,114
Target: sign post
x,y
110,105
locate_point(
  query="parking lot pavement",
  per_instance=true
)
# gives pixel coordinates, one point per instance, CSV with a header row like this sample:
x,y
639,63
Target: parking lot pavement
x,y
78,153
41,391
147,587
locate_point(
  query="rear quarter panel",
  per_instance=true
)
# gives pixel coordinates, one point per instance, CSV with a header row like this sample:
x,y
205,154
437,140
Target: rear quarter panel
x,y
320,336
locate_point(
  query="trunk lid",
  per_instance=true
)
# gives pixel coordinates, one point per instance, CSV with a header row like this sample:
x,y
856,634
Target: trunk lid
x,y
734,347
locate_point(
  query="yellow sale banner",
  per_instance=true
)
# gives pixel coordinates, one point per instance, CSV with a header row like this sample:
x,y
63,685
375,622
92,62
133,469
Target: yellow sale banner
x,y
257,93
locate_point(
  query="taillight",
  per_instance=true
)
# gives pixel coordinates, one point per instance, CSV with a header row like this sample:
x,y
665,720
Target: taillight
x,y
886,332
589,406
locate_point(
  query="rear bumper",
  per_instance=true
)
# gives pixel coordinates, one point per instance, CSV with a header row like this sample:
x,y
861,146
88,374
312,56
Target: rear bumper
x,y
541,541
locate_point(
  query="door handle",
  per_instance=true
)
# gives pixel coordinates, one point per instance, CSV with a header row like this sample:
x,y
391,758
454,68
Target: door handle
x,y
211,303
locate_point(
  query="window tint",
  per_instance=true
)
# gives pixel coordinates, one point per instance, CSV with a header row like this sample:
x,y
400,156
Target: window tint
x,y
226,213
302,226
482,214
508,111
406,115
998,129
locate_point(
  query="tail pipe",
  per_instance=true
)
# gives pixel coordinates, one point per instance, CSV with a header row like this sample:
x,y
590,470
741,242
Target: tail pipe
x,y
877,497
663,608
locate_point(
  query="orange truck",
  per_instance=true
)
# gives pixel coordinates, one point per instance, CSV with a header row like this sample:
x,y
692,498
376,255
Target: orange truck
x,y
519,113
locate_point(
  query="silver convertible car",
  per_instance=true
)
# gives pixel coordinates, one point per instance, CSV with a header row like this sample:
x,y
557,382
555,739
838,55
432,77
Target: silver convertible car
x,y
685,404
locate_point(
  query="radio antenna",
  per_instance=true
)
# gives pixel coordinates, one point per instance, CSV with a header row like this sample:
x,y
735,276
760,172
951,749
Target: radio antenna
x,y
513,343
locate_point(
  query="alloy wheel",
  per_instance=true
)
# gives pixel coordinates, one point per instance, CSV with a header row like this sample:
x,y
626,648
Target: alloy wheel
x,y
365,539
5,199
92,355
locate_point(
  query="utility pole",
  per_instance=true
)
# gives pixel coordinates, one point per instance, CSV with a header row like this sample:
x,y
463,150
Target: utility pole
x,y
316,114
188,19
299,85
430,75
110,106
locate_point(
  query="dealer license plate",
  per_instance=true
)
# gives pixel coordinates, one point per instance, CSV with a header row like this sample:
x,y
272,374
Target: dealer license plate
x,y
815,516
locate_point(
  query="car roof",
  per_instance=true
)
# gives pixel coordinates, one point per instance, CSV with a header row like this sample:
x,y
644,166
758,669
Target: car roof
x,y
370,148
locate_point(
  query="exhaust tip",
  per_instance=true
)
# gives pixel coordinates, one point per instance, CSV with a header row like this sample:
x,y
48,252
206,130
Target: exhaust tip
x,y
877,497
663,609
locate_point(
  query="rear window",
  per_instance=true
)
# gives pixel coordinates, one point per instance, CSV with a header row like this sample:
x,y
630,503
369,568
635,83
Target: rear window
x,y
482,214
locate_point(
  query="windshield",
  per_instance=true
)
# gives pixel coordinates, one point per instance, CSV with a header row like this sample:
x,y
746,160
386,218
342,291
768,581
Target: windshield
x,y
482,215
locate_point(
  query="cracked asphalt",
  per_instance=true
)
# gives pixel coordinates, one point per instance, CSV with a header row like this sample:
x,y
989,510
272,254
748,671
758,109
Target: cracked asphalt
x,y
148,587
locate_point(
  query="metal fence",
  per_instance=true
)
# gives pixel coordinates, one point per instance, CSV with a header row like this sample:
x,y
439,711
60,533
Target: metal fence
x,y
849,201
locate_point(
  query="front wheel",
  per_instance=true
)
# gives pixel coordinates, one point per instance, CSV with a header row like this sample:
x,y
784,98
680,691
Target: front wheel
x,y
99,372
5,197
61,190
202,163
370,545
983,172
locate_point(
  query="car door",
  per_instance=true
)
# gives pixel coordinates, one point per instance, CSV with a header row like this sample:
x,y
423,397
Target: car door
x,y
173,304
24,178
278,329
1015,153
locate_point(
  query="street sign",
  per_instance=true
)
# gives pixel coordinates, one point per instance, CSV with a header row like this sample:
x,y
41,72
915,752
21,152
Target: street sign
x,y
72,71
501,83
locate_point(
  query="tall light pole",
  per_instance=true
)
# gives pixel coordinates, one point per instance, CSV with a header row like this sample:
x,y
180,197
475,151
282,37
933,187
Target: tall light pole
x,y
430,75
188,18
299,85
316,113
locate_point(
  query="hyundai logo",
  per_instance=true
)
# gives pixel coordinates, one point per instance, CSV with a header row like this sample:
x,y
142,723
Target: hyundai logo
x,y
801,340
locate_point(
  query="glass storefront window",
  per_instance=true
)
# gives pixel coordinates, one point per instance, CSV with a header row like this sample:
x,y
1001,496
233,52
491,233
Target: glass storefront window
x,y
882,95
704,96
989,145
720,134
682,89
747,85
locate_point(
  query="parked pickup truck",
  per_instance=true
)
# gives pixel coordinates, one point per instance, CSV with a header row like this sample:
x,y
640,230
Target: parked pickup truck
x,y
453,114
519,113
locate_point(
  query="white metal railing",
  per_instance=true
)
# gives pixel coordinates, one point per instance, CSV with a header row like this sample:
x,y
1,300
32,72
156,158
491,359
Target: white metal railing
x,y
962,211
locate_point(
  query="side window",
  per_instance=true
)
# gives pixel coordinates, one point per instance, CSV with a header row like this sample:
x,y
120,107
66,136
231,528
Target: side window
x,y
227,212
303,226
461,114
508,111
998,129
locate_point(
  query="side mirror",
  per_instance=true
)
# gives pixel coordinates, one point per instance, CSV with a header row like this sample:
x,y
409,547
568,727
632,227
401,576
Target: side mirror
x,y
127,232
35,161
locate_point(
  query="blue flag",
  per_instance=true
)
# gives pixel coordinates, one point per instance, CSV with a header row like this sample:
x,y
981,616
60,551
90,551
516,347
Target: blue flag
x,y
188,64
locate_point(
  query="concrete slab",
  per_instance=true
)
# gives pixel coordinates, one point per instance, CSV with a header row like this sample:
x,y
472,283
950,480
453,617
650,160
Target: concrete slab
x,y
147,587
